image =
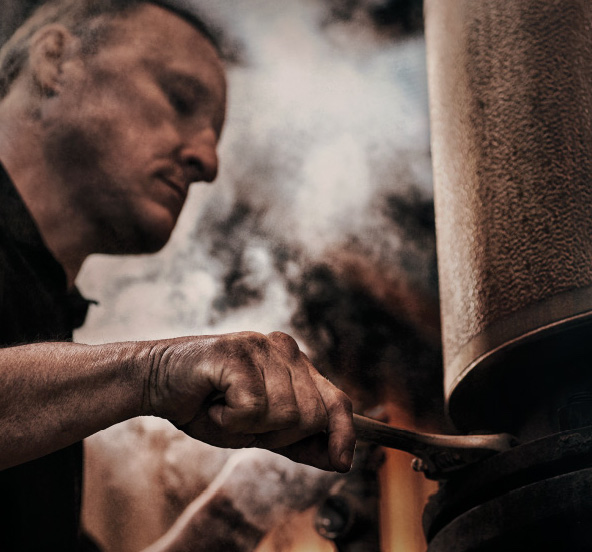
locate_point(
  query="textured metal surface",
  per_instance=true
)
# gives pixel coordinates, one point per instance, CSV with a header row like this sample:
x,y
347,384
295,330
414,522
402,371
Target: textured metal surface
x,y
533,497
526,464
511,104
546,516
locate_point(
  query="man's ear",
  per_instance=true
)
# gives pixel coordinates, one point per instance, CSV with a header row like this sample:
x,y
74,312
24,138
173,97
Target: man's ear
x,y
50,47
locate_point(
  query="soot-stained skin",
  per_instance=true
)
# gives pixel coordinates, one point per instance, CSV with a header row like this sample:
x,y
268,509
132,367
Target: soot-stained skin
x,y
134,124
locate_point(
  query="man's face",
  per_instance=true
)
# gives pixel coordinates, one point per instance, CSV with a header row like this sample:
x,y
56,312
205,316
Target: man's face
x,y
134,124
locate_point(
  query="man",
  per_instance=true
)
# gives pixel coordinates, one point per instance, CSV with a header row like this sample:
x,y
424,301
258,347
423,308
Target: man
x,y
109,109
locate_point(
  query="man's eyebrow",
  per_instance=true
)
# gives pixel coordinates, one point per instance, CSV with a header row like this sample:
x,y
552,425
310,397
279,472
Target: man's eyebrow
x,y
197,89
187,81
167,75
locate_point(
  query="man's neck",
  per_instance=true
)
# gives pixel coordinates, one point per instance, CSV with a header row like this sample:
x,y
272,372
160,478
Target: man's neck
x,y
64,231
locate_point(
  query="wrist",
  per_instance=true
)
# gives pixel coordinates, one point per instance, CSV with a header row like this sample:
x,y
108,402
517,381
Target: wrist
x,y
146,361
172,385
128,362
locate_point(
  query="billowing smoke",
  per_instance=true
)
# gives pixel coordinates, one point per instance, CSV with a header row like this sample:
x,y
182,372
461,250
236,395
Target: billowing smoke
x,y
366,309
393,18
372,326
320,223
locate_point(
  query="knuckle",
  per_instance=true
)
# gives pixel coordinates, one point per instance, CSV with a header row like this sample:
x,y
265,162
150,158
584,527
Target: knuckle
x,y
314,416
249,398
304,358
340,403
255,404
319,420
256,341
243,351
285,342
345,402
283,411
290,415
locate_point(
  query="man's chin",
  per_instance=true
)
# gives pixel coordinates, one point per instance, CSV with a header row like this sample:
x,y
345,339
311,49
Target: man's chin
x,y
154,231
141,240
153,242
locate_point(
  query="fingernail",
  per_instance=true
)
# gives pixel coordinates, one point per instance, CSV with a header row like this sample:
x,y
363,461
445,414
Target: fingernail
x,y
346,459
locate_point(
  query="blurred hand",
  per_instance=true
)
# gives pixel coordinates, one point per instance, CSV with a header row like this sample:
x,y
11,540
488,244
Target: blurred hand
x,y
251,390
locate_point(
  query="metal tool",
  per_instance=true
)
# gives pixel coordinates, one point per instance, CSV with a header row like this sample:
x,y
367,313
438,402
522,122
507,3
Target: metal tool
x,y
437,456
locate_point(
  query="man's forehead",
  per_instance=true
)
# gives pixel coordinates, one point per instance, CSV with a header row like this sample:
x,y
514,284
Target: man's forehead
x,y
188,10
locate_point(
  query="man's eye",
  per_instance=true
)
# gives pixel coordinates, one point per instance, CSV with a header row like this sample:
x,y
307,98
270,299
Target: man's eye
x,y
181,103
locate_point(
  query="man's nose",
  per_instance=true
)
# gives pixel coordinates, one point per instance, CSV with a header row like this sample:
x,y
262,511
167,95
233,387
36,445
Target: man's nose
x,y
200,158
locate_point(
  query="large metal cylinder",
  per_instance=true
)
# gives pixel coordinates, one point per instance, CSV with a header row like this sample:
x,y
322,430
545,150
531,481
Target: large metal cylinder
x,y
511,113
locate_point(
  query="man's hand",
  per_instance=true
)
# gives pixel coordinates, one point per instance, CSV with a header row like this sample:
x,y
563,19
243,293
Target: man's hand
x,y
251,390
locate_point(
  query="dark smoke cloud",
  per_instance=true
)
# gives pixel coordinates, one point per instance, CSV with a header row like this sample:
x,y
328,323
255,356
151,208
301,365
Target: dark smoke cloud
x,y
321,222
249,256
388,17
367,312
369,350
370,311
229,246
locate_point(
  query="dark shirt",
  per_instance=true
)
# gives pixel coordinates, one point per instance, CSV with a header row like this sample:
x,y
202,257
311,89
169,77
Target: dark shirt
x,y
39,500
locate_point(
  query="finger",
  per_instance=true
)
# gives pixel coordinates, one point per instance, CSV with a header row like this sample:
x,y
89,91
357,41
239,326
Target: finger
x,y
312,414
258,388
340,429
309,424
286,344
329,411
282,407
205,429
312,451
294,404
245,398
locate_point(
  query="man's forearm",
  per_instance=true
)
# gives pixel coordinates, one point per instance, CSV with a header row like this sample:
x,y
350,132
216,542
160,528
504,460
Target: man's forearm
x,y
233,391
55,394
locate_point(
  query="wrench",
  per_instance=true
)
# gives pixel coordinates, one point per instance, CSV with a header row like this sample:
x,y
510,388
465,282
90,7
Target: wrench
x,y
437,456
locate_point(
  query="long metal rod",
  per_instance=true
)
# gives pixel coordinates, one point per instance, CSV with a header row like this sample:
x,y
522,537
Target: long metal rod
x,y
439,454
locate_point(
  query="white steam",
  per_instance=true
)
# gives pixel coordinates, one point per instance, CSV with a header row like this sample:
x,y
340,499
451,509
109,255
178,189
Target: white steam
x,y
321,120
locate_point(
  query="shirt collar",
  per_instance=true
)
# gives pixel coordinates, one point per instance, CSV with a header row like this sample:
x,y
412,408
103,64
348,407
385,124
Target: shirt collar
x,y
15,219
17,223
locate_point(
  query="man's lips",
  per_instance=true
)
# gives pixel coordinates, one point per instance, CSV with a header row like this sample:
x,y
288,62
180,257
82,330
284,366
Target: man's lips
x,y
177,185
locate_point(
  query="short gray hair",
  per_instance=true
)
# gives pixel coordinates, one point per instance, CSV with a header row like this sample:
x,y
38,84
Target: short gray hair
x,y
86,19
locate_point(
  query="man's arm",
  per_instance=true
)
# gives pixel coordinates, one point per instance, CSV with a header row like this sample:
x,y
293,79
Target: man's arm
x,y
234,390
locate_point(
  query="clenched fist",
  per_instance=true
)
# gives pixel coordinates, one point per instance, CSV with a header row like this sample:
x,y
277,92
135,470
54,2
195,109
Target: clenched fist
x,y
250,390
